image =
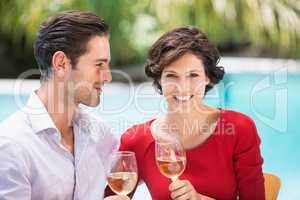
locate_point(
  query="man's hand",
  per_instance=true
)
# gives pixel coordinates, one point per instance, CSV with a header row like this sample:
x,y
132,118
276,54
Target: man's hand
x,y
117,197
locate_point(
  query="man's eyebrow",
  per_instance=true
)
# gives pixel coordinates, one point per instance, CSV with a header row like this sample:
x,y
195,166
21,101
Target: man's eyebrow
x,y
102,60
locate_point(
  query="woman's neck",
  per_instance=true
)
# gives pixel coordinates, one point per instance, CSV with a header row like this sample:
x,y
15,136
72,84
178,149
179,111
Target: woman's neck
x,y
191,121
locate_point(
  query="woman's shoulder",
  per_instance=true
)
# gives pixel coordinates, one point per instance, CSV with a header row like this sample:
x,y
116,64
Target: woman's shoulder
x,y
236,124
137,135
236,118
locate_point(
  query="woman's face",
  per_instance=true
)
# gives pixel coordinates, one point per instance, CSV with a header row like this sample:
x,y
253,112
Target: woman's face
x,y
183,82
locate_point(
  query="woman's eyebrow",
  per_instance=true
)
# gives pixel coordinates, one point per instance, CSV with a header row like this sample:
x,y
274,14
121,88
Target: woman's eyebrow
x,y
194,70
170,71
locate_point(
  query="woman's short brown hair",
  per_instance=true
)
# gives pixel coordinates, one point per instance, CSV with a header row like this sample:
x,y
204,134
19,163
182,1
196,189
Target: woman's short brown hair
x,y
177,42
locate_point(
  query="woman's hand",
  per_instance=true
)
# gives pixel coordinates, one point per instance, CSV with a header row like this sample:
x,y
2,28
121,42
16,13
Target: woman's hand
x,y
184,190
117,197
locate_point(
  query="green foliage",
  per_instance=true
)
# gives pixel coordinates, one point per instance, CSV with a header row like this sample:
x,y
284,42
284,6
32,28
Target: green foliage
x,y
272,25
269,27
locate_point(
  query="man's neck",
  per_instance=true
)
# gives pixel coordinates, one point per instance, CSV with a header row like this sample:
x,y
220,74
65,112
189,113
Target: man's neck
x,y
60,108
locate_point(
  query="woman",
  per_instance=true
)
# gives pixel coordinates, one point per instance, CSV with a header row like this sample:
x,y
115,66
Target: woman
x,y
222,146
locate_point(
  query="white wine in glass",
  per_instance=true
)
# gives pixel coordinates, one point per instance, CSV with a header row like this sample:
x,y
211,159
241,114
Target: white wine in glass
x,y
122,178
170,158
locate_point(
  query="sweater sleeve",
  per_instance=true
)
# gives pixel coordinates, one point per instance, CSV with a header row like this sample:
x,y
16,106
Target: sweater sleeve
x,y
126,144
248,161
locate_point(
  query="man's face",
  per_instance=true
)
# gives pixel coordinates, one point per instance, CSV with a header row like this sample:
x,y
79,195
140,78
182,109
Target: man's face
x,y
91,72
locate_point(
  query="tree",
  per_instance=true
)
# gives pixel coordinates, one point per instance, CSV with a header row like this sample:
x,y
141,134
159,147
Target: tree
x,y
253,27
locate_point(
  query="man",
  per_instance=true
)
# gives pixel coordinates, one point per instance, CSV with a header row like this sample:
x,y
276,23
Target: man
x,y
51,149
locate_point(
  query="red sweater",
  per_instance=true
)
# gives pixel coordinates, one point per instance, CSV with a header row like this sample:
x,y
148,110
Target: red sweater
x,y
228,164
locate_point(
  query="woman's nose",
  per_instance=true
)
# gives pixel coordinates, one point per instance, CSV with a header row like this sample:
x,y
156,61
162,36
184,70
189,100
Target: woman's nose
x,y
183,85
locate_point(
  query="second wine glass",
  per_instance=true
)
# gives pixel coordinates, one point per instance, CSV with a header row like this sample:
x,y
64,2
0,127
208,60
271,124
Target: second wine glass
x,y
170,158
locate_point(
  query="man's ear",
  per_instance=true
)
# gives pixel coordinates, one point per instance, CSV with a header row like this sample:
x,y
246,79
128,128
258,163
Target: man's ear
x,y
60,63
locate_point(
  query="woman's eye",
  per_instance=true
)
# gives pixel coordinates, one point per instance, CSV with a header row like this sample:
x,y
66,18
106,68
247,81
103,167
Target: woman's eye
x,y
170,76
194,75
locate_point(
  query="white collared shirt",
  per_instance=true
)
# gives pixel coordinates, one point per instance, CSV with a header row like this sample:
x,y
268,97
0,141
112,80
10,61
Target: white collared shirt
x,y
34,164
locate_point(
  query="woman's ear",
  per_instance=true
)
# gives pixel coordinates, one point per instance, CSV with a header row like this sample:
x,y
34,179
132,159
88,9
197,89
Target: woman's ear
x,y
207,81
159,89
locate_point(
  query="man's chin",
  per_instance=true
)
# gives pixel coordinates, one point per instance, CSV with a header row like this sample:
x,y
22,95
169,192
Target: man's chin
x,y
91,104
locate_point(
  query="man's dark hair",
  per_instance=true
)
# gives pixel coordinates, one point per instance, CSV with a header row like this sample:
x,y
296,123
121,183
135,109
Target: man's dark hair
x,y
69,32
176,43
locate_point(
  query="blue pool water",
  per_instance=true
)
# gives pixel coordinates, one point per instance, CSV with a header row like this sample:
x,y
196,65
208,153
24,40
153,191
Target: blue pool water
x,y
271,99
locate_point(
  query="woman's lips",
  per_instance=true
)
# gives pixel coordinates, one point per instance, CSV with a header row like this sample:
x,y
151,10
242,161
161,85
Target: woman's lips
x,y
183,99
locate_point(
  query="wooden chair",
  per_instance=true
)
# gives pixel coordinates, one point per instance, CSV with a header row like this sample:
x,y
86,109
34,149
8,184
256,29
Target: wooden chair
x,y
272,186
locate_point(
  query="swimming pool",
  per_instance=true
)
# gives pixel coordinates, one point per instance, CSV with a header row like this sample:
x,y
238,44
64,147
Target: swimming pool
x,y
271,99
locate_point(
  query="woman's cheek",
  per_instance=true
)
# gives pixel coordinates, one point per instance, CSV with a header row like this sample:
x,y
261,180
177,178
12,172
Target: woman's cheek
x,y
199,88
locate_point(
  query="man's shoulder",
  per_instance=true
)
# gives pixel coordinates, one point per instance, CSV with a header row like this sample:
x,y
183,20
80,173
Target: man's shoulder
x,y
16,123
13,129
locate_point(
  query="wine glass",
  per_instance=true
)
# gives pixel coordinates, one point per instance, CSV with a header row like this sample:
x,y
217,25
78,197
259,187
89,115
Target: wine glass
x,y
170,158
122,178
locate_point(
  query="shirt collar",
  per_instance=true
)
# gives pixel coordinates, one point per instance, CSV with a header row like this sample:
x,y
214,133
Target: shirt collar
x,y
38,115
83,122
40,119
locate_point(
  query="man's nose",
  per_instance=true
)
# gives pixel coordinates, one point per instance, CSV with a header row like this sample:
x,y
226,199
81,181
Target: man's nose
x,y
106,76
